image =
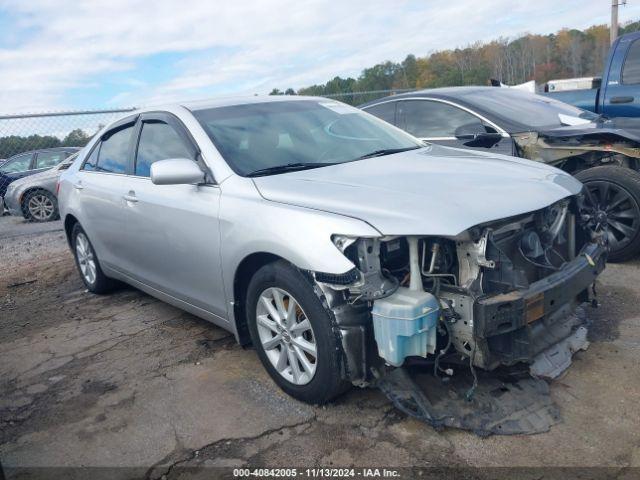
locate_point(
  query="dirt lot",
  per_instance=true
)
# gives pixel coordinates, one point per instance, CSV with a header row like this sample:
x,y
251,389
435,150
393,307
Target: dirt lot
x,y
127,380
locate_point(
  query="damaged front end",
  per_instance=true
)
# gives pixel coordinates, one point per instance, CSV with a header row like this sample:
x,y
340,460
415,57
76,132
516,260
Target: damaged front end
x,y
425,318
573,149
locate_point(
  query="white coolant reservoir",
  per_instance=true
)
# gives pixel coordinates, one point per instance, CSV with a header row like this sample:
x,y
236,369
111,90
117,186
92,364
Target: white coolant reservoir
x,y
404,325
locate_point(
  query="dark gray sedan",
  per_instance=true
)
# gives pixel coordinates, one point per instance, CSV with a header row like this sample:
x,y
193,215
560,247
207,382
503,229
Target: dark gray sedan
x,y
603,154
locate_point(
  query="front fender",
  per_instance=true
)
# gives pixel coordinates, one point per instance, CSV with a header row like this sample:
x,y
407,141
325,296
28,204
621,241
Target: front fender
x,y
250,224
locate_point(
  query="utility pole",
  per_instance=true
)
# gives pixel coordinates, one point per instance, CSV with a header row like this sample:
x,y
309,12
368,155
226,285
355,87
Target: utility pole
x,y
613,30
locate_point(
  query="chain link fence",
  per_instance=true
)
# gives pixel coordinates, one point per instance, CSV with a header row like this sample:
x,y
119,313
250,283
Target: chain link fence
x,y
35,143
39,142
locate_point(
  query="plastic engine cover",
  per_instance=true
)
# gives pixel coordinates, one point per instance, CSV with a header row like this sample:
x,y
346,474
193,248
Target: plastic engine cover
x,y
404,325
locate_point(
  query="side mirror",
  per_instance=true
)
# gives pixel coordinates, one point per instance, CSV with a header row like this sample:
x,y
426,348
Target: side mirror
x,y
476,134
176,171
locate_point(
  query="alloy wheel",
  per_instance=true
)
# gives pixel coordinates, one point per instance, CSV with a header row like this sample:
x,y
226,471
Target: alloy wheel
x,y
286,336
613,207
40,207
85,257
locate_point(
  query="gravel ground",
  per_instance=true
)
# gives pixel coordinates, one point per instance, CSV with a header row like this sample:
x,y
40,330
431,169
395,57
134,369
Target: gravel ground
x,y
126,380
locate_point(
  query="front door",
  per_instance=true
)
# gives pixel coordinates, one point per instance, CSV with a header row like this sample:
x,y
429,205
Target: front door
x,y
173,239
17,167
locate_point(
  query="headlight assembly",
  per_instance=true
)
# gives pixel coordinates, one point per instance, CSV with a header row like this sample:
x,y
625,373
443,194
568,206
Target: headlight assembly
x,y
342,241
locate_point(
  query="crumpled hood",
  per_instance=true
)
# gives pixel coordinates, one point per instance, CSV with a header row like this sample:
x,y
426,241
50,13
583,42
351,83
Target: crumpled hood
x,y
432,191
612,130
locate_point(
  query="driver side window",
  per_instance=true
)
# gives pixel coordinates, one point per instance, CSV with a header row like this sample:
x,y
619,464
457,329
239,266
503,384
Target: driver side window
x,y
158,141
429,119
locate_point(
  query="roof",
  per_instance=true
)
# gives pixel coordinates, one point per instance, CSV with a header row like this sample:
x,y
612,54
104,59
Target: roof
x,y
444,92
243,100
467,97
51,149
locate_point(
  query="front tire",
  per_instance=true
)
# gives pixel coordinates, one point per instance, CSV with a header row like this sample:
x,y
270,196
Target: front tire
x,y
614,195
87,262
293,334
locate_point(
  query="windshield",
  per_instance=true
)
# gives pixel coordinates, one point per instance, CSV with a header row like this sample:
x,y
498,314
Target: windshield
x,y
525,108
258,136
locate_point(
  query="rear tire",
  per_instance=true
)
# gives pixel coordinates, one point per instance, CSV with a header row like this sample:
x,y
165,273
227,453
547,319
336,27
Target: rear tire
x,y
40,206
615,191
88,265
283,328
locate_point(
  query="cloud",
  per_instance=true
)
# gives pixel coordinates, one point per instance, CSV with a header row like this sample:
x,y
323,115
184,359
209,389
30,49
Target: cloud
x,y
51,48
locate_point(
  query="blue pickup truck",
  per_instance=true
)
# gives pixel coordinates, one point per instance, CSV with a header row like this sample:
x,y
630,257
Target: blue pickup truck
x,y
619,91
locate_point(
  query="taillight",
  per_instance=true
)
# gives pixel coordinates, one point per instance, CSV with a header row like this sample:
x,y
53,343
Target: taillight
x,y
57,187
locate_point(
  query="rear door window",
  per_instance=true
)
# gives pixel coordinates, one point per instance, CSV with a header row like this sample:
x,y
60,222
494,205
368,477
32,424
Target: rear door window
x,y
384,111
631,68
113,156
159,141
49,159
429,119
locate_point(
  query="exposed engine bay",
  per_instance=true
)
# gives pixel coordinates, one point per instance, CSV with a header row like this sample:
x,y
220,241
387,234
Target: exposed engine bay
x,y
500,297
574,149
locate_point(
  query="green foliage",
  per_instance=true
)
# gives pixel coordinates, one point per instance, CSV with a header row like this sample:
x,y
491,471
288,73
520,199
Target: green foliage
x,y
14,144
76,138
567,53
288,91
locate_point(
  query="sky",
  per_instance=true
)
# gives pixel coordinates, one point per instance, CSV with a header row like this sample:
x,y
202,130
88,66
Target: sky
x,y
61,55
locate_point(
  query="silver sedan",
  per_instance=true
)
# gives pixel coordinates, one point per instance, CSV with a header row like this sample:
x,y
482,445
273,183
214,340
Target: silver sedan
x,y
337,244
34,197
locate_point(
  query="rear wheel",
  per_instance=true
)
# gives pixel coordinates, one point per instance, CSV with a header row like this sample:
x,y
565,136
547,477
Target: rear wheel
x,y
614,201
293,334
87,262
40,206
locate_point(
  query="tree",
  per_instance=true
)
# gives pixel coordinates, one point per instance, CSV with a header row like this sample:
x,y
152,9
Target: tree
x,y
541,58
76,138
14,144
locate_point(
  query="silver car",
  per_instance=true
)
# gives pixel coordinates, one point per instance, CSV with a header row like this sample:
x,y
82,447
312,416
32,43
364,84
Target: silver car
x,y
34,197
340,246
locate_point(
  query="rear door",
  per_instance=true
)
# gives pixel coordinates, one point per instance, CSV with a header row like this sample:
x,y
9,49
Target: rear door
x,y
172,234
102,187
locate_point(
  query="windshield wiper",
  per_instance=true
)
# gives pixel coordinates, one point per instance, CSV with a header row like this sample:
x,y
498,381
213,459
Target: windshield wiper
x,y
387,151
288,167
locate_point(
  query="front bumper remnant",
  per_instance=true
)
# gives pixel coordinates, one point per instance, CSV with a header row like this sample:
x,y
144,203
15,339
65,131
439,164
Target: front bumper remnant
x,y
552,362
518,326
498,406
538,328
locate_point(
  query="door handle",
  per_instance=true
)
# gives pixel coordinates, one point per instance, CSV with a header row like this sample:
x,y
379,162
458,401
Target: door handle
x,y
131,197
621,99
78,186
